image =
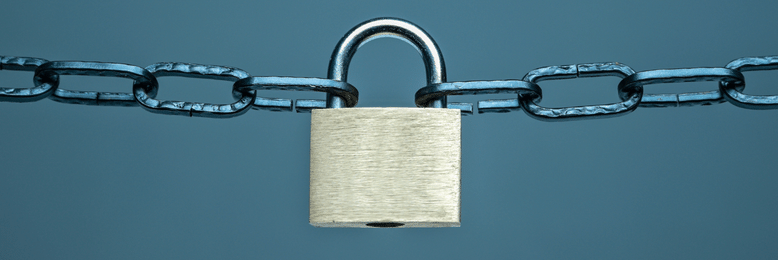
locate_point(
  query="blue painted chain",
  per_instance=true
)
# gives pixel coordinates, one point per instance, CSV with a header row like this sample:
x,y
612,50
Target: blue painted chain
x,y
342,94
630,89
145,86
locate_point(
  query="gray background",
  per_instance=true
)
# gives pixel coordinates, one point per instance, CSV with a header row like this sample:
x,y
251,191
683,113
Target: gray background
x,y
83,182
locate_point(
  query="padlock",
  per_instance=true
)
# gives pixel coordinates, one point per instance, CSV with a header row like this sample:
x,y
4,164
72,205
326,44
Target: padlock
x,y
385,167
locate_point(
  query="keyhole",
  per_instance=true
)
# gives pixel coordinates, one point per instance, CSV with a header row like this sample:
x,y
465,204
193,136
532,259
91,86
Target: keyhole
x,y
384,224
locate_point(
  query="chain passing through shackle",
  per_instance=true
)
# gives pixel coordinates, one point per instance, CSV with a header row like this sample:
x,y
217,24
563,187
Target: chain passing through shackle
x,y
342,94
386,167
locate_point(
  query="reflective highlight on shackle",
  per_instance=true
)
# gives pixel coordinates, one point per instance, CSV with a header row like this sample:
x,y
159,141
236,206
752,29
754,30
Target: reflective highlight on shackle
x,y
387,27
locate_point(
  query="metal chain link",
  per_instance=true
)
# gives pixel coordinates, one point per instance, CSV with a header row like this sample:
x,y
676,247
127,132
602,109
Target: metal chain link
x,y
529,93
145,87
732,92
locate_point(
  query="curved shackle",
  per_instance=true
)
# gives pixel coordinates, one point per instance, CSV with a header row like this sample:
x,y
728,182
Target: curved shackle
x,y
387,27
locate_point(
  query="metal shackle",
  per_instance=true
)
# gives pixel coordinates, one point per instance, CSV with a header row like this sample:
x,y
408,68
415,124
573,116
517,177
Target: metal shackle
x,y
387,27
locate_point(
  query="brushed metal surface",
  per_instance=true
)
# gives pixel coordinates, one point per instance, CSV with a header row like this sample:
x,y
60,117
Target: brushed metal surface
x,y
385,167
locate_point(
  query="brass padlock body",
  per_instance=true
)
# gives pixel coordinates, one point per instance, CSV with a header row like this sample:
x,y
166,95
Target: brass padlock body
x,y
385,167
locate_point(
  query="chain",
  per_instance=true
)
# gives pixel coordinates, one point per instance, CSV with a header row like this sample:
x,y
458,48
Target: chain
x,y
342,94
145,87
